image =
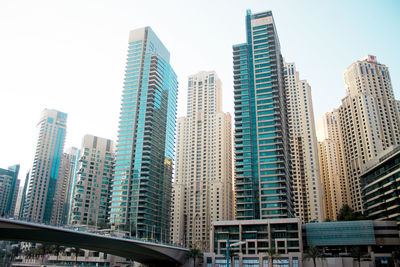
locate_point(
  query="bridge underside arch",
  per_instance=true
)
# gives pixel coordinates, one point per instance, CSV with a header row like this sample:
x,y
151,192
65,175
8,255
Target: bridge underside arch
x,y
143,252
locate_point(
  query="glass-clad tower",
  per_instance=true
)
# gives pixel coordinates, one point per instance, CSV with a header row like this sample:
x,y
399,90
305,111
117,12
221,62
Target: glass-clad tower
x,y
141,188
9,184
45,170
262,170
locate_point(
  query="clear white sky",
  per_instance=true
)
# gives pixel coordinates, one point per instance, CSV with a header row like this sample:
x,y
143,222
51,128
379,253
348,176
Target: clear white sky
x,y
70,55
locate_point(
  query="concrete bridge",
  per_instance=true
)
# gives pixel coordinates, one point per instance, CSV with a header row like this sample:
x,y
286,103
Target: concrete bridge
x,y
151,254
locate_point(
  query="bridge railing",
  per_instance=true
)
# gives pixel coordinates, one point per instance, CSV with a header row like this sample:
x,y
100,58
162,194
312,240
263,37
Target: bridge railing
x,y
117,233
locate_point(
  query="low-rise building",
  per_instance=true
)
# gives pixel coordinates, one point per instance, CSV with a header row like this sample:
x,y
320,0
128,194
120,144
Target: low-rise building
x,y
337,240
381,187
249,241
67,257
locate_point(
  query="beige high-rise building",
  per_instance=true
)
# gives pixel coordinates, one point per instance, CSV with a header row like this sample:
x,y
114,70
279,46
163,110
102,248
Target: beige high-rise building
x,y
332,165
38,206
60,195
202,190
369,119
90,204
307,187
398,106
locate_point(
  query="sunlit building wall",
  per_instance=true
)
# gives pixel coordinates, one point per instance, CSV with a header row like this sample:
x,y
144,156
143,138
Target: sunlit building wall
x,y
369,119
90,202
332,165
60,194
307,188
141,188
202,191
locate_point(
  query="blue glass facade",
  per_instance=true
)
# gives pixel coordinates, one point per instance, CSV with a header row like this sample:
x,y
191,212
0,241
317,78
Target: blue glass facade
x,y
55,160
340,233
380,188
74,154
46,165
143,171
8,190
263,176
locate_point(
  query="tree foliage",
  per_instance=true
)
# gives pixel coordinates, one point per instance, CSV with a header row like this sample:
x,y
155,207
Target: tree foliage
x,y
76,251
15,250
396,257
348,214
195,253
56,249
42,250
272,254
358,254
30,253
313,253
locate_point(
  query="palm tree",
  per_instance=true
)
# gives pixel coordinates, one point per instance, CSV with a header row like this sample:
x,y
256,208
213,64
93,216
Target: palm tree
x,y
358,254
313,253
76,251
195,254
272,254
30,253
232,255
396,257
4,255
43,249
15,252
57,249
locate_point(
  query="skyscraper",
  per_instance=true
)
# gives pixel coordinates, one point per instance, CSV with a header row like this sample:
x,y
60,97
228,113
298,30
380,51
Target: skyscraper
x,y
46,163
369,119
74,155
9,186
21,205
332,165
65,185
141,189
307,186
58,214
202,190
263,174
93,182
398,106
